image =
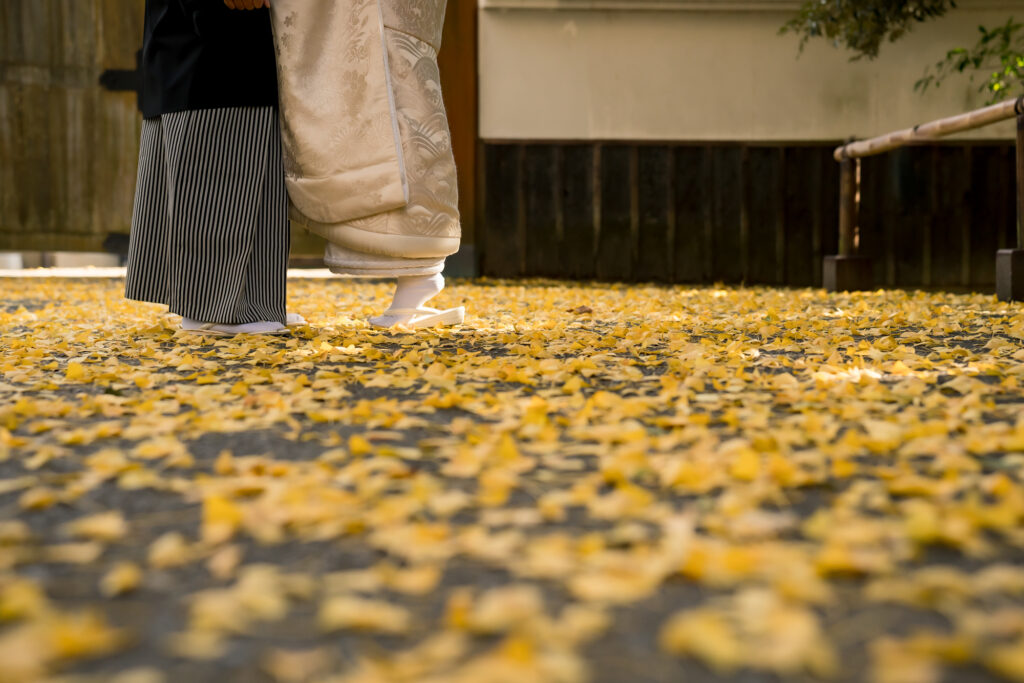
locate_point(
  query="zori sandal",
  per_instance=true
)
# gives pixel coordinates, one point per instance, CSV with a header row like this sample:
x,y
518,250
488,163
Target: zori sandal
x,y
419,318
218,330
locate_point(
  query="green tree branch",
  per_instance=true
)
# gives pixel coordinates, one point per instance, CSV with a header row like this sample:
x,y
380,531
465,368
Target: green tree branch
x,y
862,26
998,55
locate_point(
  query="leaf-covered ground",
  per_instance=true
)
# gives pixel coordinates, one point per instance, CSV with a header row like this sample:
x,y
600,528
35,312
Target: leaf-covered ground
x,y
583,483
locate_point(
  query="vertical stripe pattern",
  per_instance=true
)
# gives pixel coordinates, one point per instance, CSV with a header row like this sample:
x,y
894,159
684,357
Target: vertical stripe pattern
x,y
210,233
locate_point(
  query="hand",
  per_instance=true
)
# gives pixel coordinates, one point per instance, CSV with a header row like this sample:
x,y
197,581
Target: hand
x,y
247,4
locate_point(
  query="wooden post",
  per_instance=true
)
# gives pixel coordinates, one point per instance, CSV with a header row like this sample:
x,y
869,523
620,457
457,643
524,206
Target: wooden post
x,y
1010,262
457,62
847,271
1020,173
848,207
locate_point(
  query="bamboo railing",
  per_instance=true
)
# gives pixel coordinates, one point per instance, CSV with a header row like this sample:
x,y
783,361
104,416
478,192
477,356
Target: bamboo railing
x,y
848,270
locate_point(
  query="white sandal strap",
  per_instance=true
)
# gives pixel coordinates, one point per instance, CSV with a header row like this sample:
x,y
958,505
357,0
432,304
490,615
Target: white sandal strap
x,y
410,311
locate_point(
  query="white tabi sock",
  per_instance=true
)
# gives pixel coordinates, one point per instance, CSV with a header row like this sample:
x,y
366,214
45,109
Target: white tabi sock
x,y
410,293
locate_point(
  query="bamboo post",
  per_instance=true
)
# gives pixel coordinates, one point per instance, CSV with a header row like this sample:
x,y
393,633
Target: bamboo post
x,y
929,131
848,270
1020,173
1010,262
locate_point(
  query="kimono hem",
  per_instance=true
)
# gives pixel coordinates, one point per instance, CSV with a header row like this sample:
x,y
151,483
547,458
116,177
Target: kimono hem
x,y
367,148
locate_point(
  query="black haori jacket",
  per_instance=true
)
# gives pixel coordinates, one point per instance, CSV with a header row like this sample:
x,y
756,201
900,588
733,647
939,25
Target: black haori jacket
x,y
198,54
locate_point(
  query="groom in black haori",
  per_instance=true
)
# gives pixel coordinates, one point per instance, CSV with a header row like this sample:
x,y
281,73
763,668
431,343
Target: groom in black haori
x,y
210,233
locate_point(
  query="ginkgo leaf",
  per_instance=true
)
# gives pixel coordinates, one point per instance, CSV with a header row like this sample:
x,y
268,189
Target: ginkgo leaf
x,y
363,615
107,527
170,550
783,461
122,578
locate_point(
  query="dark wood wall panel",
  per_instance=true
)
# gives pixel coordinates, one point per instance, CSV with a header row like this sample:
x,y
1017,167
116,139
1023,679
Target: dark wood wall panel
x,y
871,232
931,216
728,251
540,211
766,212
615,239
802,188
909,186
949,204
577,210
655,214
501,244
984,234
1004,197
692,186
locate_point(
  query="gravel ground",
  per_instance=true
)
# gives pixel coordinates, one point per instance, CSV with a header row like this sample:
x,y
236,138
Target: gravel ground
x,y
598,389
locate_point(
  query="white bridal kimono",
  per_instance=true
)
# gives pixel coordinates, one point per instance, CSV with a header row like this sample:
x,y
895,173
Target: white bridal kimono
x,y
367,149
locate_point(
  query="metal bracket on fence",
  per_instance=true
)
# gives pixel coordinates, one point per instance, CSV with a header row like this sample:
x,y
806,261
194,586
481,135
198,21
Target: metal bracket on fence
x,y
124,80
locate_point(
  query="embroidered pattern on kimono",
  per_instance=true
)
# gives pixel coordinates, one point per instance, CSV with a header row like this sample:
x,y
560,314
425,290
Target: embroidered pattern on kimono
x,y
367,147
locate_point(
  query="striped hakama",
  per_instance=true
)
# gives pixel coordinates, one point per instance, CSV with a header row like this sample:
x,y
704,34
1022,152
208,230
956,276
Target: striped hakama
x,y
210,233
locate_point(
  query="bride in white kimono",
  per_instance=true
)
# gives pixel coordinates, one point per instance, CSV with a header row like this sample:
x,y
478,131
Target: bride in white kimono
x,y
367,147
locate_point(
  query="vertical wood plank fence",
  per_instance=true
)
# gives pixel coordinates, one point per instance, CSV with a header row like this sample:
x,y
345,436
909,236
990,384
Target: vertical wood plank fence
x,y
953,213
935,216
69,147
931,216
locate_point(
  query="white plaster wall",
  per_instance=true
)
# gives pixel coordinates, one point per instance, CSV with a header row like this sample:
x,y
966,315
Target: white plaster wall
x,y
10,260
685,70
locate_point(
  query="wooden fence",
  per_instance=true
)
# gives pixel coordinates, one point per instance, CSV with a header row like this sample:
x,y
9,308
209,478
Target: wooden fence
x,y
69,125
931,216
929,226
69,147
935,216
